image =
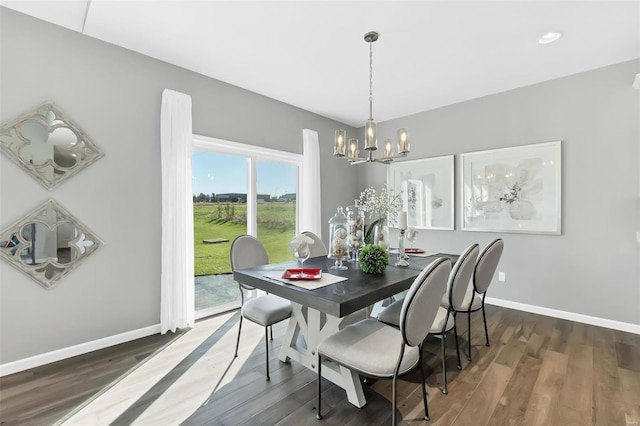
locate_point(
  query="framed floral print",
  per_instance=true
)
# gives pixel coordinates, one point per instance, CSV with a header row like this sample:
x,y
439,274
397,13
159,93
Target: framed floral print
x,y
427,187
515,189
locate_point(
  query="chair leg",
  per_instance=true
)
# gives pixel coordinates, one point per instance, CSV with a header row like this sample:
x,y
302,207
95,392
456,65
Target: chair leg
x,y
238,341
484,318
424,389
469,334
266,350
444,366
271,330
455,331
393,401
318,412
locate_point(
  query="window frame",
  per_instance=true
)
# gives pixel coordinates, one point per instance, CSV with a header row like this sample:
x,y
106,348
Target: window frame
x,y
252,154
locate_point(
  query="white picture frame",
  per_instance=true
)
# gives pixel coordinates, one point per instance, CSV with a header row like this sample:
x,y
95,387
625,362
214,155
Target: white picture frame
x,y
516,189
428,188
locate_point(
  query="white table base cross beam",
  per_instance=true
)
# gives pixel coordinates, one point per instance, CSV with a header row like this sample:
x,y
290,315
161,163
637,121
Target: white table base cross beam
x,y
314,327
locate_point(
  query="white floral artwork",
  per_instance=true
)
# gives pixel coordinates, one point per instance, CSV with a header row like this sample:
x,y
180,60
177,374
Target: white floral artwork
x,y
427,191
514,189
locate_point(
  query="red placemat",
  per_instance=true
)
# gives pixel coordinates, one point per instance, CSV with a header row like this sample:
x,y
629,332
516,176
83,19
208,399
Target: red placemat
x,y
413,250
302,274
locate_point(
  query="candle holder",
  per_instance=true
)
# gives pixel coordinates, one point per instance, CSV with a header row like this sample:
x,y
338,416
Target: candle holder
x,y
402,257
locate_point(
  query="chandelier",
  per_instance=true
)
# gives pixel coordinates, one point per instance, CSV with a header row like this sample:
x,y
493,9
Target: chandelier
x,y
370,130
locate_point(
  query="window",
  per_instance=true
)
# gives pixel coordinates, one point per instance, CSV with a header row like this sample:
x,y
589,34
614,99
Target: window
x,y
238,189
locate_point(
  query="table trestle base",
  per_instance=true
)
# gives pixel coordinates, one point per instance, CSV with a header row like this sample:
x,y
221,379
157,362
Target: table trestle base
x,y
314,327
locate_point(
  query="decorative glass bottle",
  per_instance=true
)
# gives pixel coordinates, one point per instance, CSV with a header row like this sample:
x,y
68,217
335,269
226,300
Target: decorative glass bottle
x,y
381,234
338,232
355,223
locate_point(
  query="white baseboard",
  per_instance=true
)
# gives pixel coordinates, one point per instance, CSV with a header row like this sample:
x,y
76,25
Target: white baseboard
x,y
555,313
71,351
83,348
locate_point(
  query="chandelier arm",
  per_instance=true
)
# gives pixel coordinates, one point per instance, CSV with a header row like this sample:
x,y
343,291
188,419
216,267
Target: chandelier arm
x,y
371,159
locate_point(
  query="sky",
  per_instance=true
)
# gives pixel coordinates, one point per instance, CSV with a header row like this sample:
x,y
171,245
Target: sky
x,y
219,174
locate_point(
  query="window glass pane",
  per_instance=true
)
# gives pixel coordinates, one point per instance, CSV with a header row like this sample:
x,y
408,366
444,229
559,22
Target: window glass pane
x,y
220,190
277,186
219,215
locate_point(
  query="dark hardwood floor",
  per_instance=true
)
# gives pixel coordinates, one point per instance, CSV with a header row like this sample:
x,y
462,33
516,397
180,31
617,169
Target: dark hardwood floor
x,y
45,394
537,371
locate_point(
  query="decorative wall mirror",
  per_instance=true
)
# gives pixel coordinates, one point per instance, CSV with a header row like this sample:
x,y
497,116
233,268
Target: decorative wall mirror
x,y
48,243
48,145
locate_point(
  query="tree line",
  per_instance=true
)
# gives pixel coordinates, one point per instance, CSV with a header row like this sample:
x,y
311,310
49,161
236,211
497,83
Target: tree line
x,y
204,198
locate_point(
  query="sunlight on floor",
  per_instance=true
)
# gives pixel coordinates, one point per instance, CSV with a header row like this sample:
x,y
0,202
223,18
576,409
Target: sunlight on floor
x,y
190,377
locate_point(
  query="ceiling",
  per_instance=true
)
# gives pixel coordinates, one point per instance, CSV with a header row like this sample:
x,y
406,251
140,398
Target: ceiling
x,y
312,54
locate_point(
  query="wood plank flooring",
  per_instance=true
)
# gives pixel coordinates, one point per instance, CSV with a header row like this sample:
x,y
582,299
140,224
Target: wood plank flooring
x,y
537,371
43,395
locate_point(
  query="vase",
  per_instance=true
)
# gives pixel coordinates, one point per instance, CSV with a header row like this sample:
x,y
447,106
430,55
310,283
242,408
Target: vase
x,y
338,248
381,234
355,225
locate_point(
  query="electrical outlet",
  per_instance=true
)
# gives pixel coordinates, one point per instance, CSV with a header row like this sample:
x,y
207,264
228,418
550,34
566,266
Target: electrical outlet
x,y
502,276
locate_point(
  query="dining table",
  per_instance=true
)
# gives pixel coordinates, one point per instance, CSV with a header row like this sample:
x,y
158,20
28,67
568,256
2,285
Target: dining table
x,y
320,309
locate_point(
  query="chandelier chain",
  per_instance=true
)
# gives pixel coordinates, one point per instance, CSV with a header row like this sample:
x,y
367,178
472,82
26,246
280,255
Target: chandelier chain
x,y
371,80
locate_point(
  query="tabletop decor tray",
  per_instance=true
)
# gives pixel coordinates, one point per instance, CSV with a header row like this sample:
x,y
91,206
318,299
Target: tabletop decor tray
x,y
302,274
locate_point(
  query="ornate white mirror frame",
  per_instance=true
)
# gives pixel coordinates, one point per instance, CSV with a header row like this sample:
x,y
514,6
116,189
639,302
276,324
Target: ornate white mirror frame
x,y
48,145
47,243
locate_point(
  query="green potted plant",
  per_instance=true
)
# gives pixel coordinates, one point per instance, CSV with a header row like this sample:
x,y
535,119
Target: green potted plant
x,y
373,259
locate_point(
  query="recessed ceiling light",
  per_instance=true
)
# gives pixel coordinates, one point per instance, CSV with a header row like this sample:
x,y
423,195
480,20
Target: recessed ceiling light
x,y
549,38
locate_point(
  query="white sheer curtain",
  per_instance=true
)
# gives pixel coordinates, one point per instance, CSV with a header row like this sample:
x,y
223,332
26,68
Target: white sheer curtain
x,y
176,280
310,214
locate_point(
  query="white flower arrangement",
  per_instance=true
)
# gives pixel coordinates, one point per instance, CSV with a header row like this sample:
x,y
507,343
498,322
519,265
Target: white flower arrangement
x,y
386,204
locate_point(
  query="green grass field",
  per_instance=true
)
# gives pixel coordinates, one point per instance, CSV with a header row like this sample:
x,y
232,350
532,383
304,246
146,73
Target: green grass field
x,y
276,227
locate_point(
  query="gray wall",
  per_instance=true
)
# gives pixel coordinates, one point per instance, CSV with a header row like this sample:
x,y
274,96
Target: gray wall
x,y
115,95
592,268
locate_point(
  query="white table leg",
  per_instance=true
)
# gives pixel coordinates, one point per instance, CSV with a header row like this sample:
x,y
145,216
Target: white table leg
x,y
289,349
313,332
375,309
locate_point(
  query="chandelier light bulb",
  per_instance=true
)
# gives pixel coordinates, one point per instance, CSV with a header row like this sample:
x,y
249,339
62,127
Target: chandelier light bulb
x,y
387,148
338,146
371,140
403,141
353,149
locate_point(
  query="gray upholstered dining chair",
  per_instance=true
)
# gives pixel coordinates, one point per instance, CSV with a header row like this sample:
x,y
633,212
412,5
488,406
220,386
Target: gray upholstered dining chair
x,y
445,320
378,350
482,276
247,252
317,248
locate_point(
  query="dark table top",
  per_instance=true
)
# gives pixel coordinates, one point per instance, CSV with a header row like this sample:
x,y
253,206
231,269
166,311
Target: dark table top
x,y
340,299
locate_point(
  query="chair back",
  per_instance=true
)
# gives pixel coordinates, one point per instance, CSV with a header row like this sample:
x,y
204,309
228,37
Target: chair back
x,y
247,252
487,265
422,301
317,248
460,277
